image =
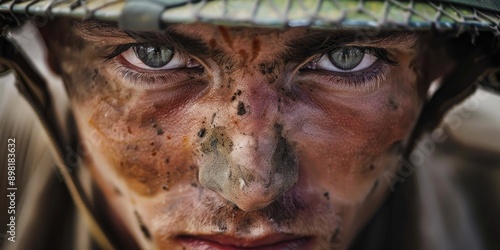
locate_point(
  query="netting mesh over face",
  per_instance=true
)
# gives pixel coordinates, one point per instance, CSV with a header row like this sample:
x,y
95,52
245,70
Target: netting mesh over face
x,y
269,13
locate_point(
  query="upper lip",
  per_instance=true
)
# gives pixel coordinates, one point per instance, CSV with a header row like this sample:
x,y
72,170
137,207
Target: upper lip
x,y
246,242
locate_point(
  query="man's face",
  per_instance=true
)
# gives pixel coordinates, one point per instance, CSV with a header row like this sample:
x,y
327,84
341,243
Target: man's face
x,y
205,137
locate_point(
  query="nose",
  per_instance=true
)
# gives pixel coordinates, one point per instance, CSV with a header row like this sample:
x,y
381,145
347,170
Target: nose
x,y
253,164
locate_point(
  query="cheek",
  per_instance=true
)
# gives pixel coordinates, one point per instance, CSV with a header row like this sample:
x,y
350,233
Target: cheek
x,y
346,142
141,136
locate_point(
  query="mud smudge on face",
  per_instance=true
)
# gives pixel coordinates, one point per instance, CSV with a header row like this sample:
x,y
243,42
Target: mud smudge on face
x,y
241,109
212,43
244,55
226,36
202,132
96,72
213,118
326,195
266,68
284,158
255,49
393,105
335,241
217,142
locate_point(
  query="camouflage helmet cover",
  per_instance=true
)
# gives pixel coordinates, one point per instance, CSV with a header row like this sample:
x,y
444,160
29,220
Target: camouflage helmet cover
x,y
153,14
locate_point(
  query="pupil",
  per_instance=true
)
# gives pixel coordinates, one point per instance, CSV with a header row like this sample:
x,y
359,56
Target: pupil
x,y
346,58
154,56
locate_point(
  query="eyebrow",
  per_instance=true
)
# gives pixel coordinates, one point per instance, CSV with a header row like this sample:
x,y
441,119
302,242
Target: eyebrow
x,y
190,44
92,30
317,42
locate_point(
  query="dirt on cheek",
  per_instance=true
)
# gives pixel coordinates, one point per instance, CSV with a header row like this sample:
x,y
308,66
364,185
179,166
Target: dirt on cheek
x,y
147,173
149,156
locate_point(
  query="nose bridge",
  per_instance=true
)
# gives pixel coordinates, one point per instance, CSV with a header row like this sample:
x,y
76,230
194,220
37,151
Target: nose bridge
x,y
259,97
253,163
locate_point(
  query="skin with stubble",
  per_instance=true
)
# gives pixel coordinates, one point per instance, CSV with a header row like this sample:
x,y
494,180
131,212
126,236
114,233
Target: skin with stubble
x,y
246,137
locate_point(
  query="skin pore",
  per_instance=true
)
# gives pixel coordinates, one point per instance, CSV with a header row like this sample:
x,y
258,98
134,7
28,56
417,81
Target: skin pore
x,y
247,138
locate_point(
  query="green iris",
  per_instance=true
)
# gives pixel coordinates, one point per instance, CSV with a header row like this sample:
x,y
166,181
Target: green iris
x,y
154,56
346,58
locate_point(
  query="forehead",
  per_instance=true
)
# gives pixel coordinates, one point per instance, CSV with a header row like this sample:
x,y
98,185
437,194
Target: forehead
x,y
205,36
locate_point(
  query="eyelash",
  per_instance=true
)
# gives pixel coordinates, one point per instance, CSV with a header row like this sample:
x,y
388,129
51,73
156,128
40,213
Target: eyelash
x,y
366,79
154,79
116,51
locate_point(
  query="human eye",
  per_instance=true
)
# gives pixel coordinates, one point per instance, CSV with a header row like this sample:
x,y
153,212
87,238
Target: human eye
x,y
152,66
157,57
350,67
346,59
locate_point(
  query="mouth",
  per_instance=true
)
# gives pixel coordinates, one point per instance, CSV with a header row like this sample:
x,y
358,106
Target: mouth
x,y
223,242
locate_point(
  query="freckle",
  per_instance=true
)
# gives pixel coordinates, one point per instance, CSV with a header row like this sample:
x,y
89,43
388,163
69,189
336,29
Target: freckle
x,y
154,125
153,153
129,130
372,167
159,131
233,98
167,160
168,137
241,109
194,185
238,92
152,144
165,187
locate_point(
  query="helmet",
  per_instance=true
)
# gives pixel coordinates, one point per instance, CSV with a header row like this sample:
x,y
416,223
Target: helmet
x,y
153,14
478,20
